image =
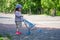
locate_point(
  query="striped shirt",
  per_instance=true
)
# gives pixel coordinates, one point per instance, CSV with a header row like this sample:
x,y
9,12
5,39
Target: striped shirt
x,y
18,16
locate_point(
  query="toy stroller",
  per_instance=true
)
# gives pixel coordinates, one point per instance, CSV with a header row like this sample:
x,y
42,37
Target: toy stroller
x,y
29,25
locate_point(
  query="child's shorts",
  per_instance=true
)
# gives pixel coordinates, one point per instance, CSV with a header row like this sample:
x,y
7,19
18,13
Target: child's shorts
x,y
18,24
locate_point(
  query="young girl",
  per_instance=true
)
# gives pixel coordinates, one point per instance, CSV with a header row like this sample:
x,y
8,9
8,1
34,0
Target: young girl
x,y
18,17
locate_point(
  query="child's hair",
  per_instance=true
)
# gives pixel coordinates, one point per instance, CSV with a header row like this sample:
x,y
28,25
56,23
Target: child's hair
x,y
17,9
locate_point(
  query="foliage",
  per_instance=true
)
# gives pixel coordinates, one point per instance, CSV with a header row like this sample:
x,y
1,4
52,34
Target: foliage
x,y
30,6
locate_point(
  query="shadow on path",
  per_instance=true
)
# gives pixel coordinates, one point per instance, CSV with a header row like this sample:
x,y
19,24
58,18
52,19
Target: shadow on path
x,y
5,17
36,34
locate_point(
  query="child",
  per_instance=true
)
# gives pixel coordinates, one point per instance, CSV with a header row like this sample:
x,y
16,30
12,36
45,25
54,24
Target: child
x,y
18,17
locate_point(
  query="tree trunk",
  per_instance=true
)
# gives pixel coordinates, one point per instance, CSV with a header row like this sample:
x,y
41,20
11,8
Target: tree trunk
x,y
42,10
53,12
48,11
30,11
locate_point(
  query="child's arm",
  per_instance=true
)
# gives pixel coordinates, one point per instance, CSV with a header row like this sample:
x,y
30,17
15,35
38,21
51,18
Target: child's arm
x,y
18,14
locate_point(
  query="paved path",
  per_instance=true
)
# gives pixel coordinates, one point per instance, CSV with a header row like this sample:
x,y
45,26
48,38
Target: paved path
x,y
47,21
47,27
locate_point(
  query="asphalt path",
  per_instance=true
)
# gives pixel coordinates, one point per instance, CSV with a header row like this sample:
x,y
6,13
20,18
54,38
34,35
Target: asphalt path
x,y
46,28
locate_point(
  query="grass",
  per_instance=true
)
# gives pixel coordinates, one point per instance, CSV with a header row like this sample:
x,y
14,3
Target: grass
x,y
7,37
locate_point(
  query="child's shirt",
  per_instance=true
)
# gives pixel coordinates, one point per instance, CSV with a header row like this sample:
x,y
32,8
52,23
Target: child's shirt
x,y
18,16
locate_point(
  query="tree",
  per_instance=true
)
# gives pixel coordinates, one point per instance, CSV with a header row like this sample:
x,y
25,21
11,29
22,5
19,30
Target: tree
x,y
32,6
50,4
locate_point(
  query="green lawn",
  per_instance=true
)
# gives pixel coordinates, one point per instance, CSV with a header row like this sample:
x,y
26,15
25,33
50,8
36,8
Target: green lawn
x,y
7,37
4,38
58,13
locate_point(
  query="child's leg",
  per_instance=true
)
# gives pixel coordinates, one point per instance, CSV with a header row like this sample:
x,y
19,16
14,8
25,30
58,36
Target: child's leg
x,y
16,24
20,24
17,28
